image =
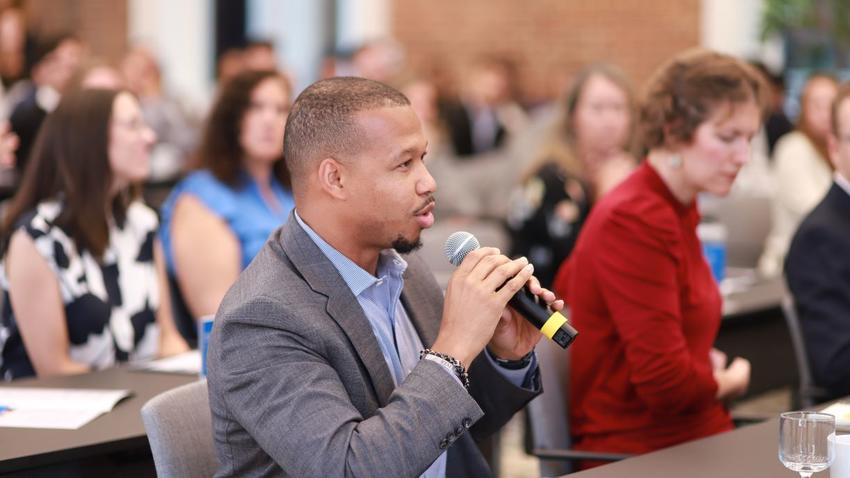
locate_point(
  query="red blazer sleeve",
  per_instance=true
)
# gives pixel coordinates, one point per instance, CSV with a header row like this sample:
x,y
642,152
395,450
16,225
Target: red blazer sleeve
x,y
636,262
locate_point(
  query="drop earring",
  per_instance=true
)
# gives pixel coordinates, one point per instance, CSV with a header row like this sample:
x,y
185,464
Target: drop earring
x,y
675,161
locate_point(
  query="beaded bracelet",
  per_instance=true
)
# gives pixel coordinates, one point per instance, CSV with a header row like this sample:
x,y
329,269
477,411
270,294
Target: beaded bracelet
x,y
459,368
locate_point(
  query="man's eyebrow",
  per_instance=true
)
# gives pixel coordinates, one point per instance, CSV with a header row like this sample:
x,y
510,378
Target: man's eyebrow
x,y
410,150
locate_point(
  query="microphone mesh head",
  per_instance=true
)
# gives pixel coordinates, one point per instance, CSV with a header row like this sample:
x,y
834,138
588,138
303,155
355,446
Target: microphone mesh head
x,y
458,245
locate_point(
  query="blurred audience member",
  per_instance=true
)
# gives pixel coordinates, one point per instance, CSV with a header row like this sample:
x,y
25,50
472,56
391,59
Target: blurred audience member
x,y
777,123
644,375
338,62
424,98
8,146
96,74
818,266
802,170
13,45
8,175
259,55
217,218
587,155
83,277
55,62
230,63
380,60
256,55
176,136
486,112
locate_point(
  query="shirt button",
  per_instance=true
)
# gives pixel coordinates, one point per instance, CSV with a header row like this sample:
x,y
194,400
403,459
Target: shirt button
x,y
458,431
444,444
466,423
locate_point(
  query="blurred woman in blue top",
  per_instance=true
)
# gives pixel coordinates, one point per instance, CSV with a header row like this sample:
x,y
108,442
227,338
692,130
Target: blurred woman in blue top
x,y
219,217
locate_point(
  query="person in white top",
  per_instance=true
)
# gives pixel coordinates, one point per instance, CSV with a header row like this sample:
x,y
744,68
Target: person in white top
x,y
802,171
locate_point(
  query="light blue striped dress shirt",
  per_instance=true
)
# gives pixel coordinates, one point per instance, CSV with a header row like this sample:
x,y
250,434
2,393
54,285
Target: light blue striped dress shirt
x,y
380,298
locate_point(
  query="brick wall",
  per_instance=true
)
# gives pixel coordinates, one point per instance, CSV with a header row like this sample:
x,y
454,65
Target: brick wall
x,y
102,24
548,39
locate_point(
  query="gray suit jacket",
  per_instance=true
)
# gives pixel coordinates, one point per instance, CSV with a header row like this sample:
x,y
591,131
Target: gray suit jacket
x,y
298,385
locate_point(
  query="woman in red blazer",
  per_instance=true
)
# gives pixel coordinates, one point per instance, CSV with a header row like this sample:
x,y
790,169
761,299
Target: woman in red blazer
x,y
643,373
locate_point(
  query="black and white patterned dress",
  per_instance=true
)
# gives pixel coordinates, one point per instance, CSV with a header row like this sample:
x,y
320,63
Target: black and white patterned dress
x,y
110,307
545,216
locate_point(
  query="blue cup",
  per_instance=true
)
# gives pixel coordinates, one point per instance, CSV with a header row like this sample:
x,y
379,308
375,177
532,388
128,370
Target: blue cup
x,y
713,236
715,255
205,325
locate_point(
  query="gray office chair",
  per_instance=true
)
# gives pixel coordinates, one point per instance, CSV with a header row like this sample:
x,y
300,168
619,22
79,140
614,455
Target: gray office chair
x,y
179,430
548,432
807,394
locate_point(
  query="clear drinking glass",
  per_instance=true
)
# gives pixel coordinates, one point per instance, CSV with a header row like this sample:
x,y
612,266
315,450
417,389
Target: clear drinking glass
x,y
804,441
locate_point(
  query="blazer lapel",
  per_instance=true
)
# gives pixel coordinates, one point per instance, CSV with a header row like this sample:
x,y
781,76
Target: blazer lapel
x,y
342,306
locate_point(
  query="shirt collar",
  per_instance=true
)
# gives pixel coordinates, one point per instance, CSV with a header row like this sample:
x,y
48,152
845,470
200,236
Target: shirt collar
x,y
390,263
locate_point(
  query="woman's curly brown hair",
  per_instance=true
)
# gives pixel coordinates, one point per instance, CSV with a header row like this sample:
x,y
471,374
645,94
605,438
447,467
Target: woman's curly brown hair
x,y
684,92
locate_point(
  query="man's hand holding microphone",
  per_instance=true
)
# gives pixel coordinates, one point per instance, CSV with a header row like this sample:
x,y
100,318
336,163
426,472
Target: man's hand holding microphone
x,y
476,312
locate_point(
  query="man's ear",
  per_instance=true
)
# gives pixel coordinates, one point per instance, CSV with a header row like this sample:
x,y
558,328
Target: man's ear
x,y
331,175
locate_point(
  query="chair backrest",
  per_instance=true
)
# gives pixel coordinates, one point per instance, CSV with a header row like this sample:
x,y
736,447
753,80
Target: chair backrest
x,y
548,423
179,429
807,394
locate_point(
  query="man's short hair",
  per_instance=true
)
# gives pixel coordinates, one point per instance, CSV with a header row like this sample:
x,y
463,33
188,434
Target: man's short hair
x,y
321,122
843,94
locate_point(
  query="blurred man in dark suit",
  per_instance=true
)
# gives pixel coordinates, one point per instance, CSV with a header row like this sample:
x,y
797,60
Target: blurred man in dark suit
x,y
818,266
486,112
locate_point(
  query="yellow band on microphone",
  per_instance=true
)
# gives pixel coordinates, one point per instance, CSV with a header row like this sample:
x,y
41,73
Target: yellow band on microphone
x,y
555,321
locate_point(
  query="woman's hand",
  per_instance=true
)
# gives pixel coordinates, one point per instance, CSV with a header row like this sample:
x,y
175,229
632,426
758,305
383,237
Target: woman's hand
x,y
733,381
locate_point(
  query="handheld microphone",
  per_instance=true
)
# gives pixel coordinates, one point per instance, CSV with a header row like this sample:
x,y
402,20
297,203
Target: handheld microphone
x,y
551,324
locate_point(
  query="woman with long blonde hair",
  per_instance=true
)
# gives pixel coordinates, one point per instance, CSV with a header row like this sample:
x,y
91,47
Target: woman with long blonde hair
x,y
589,152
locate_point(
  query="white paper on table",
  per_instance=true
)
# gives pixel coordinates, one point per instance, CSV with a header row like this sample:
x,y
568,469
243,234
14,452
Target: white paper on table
x,y
187,362
63,408
56,419
25,398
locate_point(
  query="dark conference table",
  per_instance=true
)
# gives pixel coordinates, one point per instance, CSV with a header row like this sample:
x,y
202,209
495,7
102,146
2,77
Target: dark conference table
x,y
38,452
750,452
26,450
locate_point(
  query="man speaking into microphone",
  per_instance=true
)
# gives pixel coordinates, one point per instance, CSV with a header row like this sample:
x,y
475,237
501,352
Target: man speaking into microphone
x,y
333,355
